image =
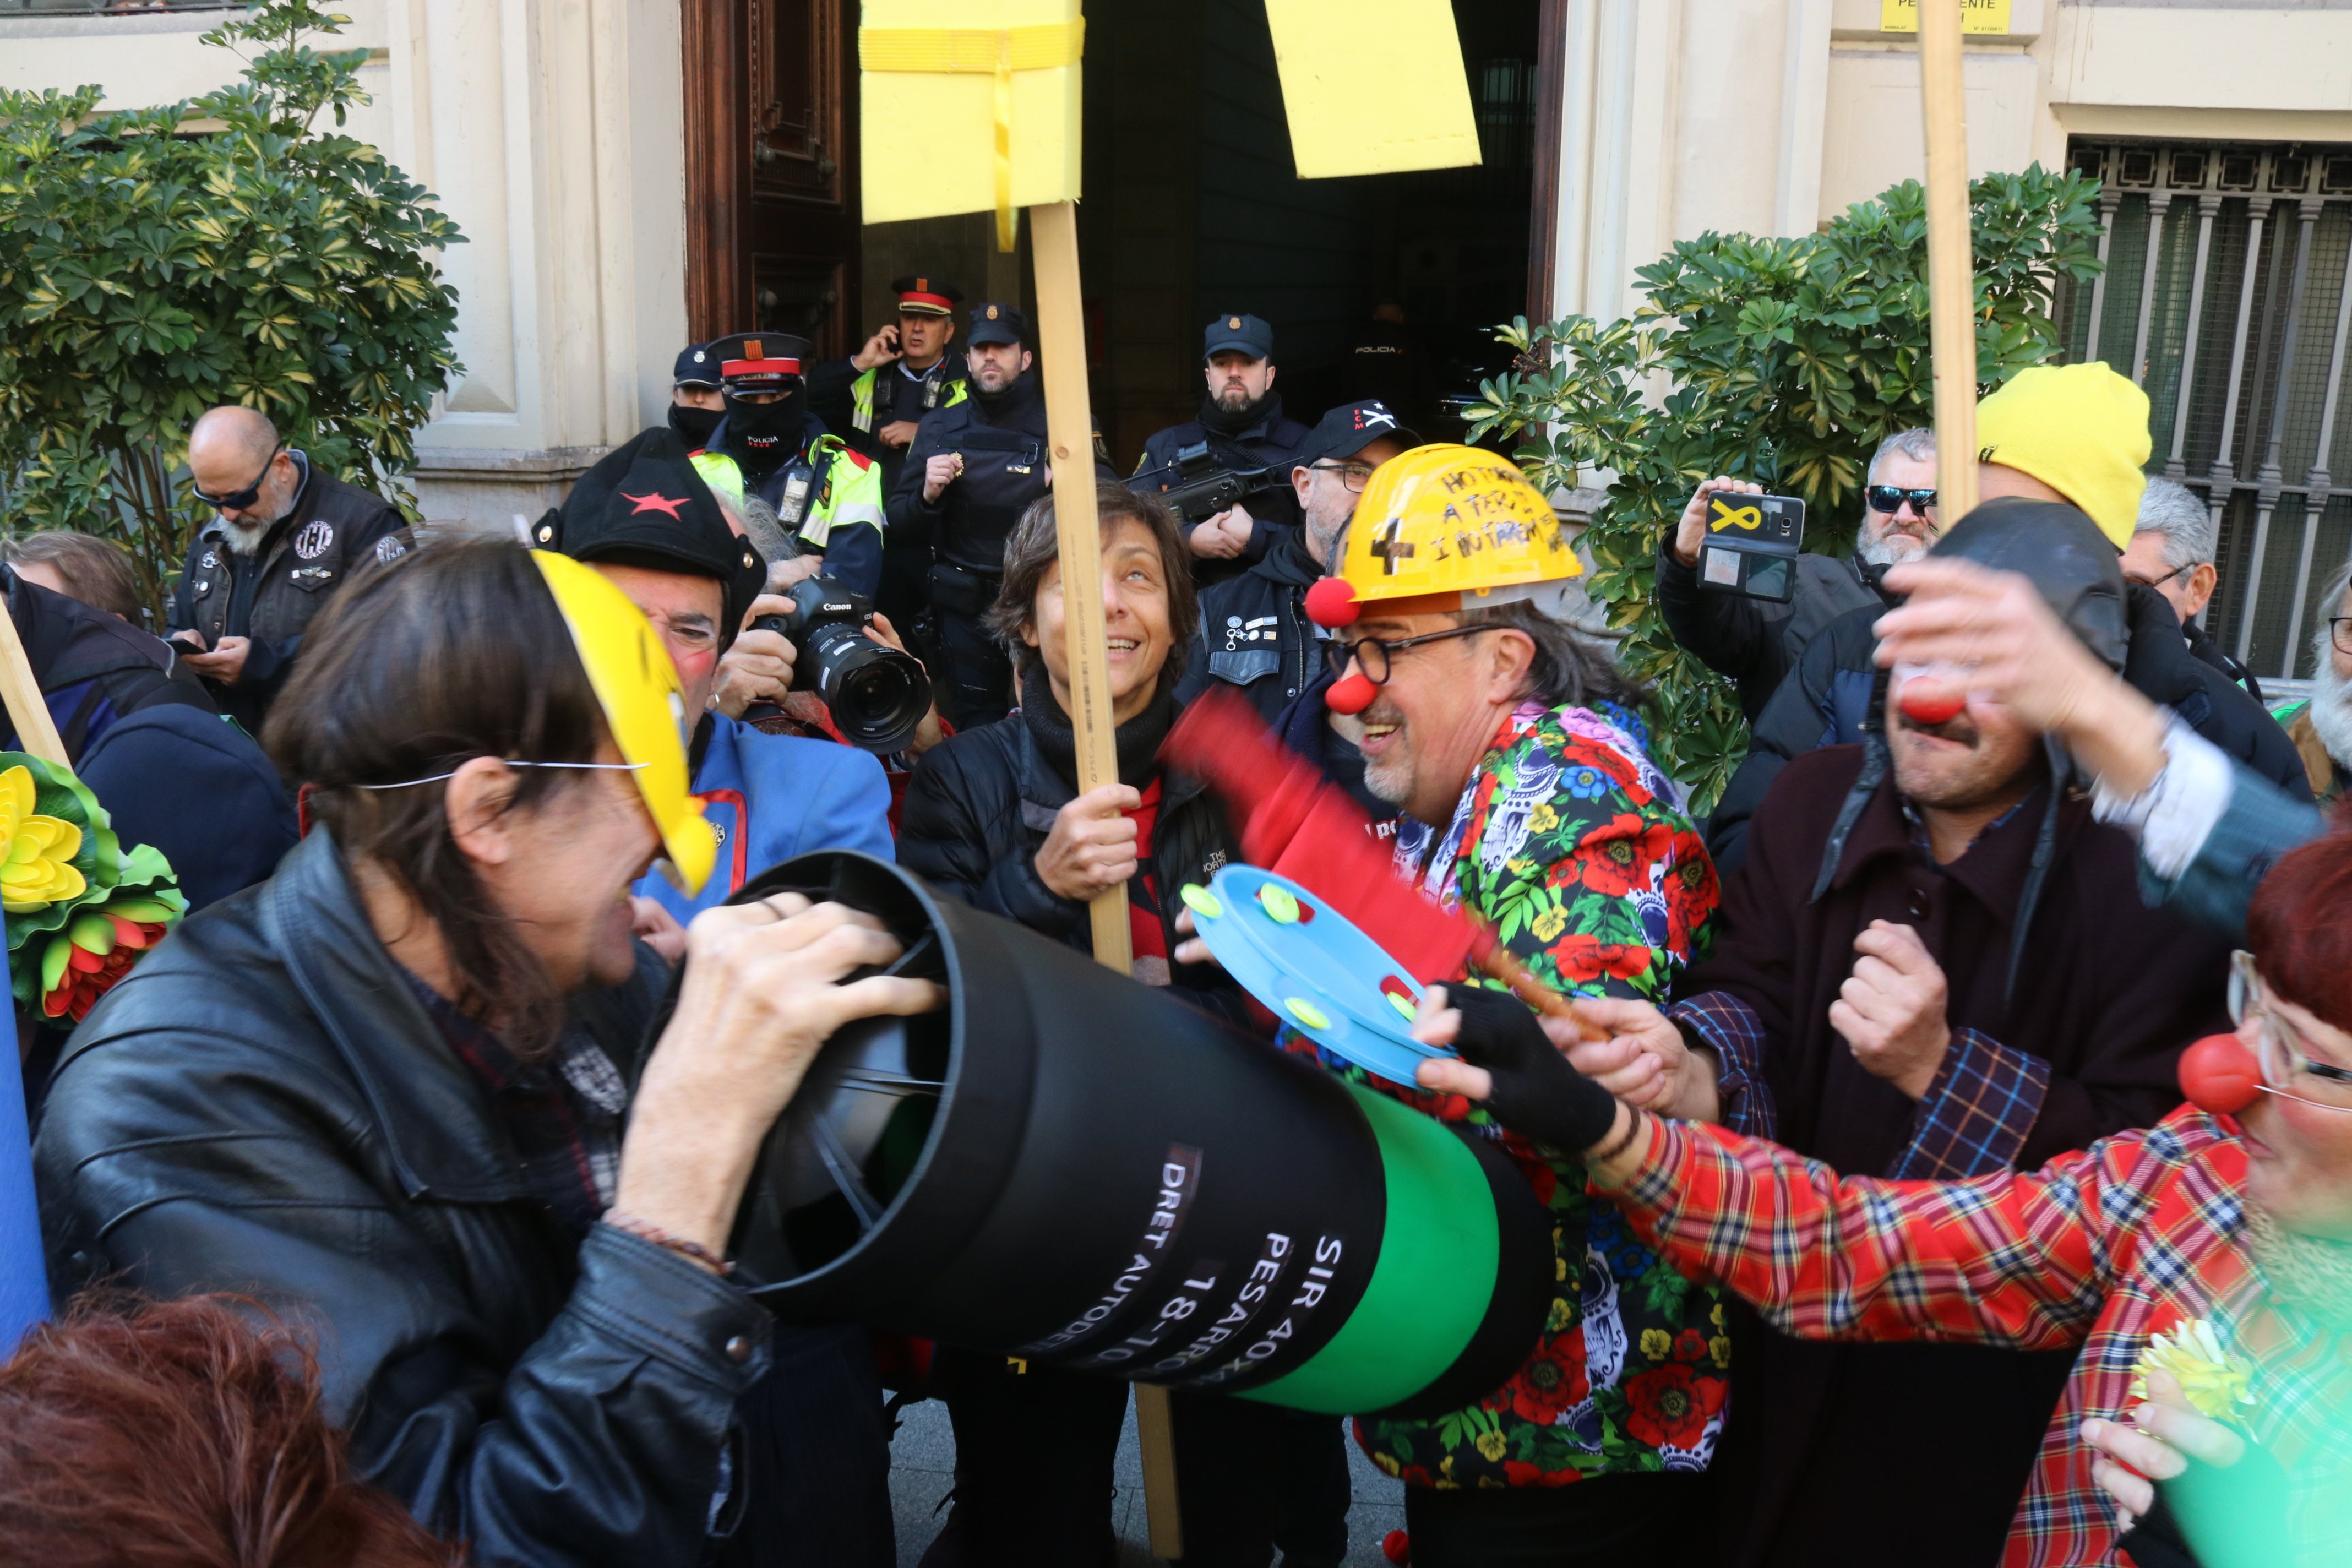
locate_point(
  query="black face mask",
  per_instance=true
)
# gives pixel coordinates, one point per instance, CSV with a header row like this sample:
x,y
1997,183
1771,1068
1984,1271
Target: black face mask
x,y
693,426
769,432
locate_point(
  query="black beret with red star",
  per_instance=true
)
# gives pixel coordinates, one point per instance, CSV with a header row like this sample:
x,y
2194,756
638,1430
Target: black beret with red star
x,y
644,505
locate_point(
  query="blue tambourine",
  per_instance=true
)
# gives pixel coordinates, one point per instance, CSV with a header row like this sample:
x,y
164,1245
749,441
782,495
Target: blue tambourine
x,y
1312,968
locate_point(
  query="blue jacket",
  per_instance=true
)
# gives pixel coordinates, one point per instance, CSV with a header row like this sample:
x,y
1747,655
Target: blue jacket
x,y
772,797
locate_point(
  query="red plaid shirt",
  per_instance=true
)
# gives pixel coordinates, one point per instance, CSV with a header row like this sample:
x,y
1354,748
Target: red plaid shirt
x,y
2101,1248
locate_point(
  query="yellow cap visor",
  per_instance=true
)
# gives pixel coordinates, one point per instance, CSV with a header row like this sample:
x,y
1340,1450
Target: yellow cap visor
x,y
637,687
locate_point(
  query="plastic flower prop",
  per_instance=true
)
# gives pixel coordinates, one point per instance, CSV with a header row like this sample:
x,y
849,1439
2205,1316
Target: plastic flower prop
x,y
38,870
79,908
2217,1383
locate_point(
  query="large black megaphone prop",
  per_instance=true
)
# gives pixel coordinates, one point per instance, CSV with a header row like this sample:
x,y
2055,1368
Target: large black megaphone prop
x,y
1071,1166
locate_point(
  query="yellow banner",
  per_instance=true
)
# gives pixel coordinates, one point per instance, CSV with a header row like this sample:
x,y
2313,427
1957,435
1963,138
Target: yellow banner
x,y
1372,86
1976,16
968,106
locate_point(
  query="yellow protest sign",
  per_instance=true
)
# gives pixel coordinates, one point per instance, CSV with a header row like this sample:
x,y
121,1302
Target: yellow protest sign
x,y
1976,16
968,106
1372,86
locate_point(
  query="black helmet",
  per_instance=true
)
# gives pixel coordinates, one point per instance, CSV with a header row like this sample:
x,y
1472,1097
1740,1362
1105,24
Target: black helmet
x,y
2063,552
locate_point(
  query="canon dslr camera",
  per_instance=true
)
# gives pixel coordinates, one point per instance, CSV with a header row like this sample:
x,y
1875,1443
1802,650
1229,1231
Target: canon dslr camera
x,y
878,695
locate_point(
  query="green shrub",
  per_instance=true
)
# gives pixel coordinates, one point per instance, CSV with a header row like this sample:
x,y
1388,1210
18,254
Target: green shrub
x,y
1782,360
229,249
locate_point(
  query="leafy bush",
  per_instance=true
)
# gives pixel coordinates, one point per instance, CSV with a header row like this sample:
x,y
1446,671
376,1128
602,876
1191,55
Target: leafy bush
x,y
1782,360
152,266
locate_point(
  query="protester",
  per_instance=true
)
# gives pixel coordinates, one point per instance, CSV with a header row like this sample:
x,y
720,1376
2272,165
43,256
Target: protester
x,y
994,817
1755,643
2076,433
1529,798
970,476
696,400
283,538
2208,825
1244,429
2321,725
645,521
188,1434
1254,633
426,1119
95,571
2172,550
2012,999
2212,1246
143,733
770,445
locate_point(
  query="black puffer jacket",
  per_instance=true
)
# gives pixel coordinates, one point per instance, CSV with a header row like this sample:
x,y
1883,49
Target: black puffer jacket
x,y
264,1108
979,807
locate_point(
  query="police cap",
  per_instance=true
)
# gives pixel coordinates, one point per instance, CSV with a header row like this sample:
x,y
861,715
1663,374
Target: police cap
x,y
996,322
696,366
1249,335
760,361
920,296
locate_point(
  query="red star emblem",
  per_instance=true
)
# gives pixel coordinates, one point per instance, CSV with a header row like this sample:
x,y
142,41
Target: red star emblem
x,y
655,502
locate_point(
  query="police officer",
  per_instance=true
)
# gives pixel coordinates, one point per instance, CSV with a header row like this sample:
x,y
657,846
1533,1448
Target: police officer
x,y
770,444
971,471
1243,425
283,537
696,400
1255,633
876,404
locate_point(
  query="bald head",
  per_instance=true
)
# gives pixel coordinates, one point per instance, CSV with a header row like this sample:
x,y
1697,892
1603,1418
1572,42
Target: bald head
x,y
229,452
234,434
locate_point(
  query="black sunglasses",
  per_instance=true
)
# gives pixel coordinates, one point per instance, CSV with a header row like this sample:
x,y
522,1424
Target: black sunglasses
x,y
238,501
1890,498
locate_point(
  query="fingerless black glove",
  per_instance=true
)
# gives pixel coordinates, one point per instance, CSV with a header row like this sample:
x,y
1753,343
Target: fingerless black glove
x,y
1537,1093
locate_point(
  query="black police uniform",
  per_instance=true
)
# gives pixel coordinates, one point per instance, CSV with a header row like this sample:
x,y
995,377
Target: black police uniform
x,y
1002,438
1261,436
272,595
1254,633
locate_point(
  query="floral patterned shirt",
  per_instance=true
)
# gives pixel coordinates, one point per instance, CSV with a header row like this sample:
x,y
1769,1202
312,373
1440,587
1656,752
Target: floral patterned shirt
x,y
1571,844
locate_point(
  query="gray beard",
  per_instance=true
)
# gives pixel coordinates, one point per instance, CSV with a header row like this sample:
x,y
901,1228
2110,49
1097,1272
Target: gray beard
x,y
245,538
1891,549
2331,705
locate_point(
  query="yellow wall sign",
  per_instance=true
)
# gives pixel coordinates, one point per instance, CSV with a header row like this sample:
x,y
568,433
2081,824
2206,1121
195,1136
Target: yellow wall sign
x,y
1372,86
1976,16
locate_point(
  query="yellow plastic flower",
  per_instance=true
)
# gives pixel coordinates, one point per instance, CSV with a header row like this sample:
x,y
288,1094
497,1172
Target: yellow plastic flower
x,y
38,868
2216,1381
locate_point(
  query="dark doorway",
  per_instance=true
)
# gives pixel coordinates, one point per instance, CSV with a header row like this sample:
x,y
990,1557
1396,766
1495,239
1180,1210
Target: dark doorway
x,y
1190,210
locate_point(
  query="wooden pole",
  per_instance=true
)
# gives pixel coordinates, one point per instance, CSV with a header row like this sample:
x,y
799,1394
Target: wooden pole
x,y
35,732
1069,430
1952,259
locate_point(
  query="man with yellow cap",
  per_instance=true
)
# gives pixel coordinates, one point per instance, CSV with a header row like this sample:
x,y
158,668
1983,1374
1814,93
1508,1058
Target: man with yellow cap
x,y
2075,434
1512,748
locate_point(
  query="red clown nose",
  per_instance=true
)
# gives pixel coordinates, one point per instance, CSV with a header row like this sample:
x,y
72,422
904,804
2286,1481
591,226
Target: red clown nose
x,y
1351,695
1332,601
1930,701
2220,1076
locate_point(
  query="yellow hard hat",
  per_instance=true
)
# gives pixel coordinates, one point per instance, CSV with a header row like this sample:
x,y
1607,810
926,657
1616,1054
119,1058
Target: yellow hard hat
x,y
1447,528
637,687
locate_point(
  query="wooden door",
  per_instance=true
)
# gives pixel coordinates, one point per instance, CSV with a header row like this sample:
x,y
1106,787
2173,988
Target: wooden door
x,y
771,169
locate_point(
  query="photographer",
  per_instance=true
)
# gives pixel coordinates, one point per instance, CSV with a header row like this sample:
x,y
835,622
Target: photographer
x,y
770,796
402,1092
1243,423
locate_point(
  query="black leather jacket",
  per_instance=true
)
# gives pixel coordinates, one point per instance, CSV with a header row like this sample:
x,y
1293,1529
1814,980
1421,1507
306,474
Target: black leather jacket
x,y
262,1107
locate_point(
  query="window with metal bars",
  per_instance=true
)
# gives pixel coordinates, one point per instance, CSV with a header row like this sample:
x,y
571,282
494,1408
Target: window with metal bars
x,y
2224,298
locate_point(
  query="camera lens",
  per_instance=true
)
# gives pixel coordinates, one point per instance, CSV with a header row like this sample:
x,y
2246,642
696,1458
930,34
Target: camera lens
x,y
878,695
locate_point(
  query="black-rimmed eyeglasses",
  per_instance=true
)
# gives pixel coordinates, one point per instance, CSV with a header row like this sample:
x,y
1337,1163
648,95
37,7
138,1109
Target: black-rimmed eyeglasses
x,y
238,501
1355,475
1372,656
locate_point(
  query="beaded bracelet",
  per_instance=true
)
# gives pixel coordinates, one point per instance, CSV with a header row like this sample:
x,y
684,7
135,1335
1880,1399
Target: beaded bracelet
x,y
645,1230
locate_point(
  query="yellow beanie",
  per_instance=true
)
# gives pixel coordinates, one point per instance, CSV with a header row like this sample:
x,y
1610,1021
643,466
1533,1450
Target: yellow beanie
x,y
2081,429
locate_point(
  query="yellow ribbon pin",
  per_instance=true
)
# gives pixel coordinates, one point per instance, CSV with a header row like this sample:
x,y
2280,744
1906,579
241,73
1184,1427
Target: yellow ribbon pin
x,y
1748,516
999,52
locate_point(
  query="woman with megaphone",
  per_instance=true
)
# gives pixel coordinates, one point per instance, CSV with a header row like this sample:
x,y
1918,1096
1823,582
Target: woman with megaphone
x,y
402,1093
